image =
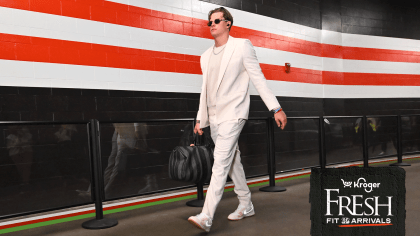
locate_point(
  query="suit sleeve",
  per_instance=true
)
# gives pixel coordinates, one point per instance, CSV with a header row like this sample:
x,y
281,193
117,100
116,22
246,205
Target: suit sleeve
x,y
202,85
253,68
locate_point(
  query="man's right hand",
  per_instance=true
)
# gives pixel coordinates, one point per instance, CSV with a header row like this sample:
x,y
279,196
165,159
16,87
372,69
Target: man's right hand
x,y
197,129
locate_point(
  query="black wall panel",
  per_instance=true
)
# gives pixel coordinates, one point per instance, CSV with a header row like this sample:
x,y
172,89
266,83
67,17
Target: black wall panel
x,y
371,106
42,167
370,17
40,104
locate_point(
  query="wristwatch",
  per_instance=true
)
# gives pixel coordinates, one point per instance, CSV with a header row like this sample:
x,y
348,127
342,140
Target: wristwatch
x,y
277,110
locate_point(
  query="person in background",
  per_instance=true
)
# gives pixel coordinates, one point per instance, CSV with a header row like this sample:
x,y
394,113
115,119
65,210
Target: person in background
x,y
380,134
66,152
19,144
127,138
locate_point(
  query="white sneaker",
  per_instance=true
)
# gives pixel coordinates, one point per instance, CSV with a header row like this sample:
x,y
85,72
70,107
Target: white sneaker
x,y
242,212
201,221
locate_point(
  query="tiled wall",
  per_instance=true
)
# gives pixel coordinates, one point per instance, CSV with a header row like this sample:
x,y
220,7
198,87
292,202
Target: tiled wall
x,y
303,12
125,60
371,106
380,18
138,62
353,31
57,104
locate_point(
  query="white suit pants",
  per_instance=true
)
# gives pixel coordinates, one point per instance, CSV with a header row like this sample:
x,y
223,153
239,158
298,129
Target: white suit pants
x,y
227,160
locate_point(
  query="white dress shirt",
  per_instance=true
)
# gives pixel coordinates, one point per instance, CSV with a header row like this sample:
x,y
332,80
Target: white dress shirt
x,y
213,74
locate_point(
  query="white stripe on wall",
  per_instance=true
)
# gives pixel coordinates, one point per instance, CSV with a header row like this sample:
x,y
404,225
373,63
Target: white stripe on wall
x,y
366,91
37,74
116,35
200,9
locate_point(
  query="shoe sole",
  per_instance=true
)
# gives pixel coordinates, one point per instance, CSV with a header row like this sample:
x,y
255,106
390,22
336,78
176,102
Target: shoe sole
x,y
241,218
196,225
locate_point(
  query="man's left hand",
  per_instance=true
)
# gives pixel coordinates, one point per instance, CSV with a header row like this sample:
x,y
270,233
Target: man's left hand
x,y
281,119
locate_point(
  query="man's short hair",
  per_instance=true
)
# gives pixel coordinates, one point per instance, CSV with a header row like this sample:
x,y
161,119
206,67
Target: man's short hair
x,y
226,15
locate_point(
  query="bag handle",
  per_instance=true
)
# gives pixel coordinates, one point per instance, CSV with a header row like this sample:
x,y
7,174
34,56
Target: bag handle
x,y
197,138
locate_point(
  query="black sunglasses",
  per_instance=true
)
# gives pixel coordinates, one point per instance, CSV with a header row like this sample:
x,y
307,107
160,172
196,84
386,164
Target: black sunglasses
x,y
217,21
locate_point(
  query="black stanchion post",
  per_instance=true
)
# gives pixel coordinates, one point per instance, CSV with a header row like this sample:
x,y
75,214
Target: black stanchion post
x,y
399,144
271,160
199,202
365,143
97,179
200,192
321,142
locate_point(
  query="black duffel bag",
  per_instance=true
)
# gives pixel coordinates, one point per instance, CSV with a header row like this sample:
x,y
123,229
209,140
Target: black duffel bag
x,y
192,163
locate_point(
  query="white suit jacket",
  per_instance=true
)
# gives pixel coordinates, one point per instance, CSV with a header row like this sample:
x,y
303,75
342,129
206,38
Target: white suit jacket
x,y
239,65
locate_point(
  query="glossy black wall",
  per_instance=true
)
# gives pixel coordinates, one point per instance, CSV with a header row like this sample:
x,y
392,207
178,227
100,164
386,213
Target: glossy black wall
x,y
56,104
42,166
369,17
371,106
303,12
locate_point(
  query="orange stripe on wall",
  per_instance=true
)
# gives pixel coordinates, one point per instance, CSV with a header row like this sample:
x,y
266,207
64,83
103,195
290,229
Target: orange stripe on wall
x,y
89,54
346,78
121,14
26,48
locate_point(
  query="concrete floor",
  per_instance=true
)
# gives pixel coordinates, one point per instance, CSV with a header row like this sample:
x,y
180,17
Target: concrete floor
x,y
285,213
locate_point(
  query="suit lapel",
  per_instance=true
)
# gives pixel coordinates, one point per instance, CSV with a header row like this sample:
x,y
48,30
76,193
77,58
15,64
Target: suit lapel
x,y
206,58
230,47
203,95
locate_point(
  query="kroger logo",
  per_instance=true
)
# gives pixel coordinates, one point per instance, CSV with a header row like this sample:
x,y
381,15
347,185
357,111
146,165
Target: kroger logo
x,y
361,183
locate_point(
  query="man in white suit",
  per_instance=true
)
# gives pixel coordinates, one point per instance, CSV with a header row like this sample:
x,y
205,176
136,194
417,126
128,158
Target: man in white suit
x,y
227,68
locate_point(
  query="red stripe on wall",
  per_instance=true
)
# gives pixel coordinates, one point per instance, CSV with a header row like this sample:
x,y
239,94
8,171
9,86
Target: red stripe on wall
x,y
121,14
278,73
340,78
374,54
26,48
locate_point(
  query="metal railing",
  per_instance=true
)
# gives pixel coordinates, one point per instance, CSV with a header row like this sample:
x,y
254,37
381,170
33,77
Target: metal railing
x,y
96,166
38,123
